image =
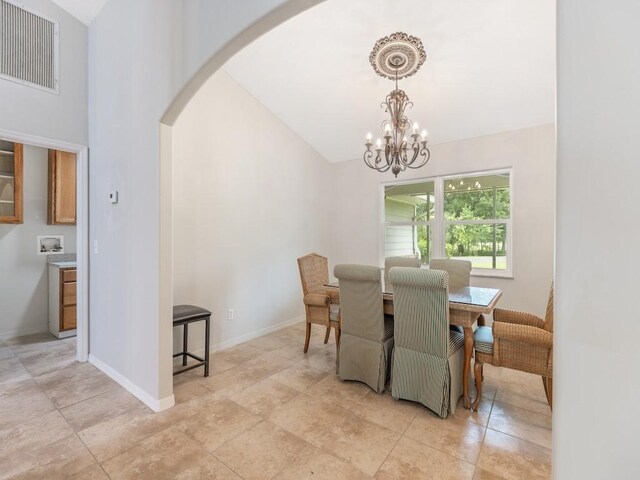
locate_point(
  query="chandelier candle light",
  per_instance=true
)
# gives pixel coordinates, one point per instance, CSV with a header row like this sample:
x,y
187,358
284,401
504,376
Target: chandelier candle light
x,y
394,57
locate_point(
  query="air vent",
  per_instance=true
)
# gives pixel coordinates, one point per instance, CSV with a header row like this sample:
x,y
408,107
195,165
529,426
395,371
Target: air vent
x,y
28,47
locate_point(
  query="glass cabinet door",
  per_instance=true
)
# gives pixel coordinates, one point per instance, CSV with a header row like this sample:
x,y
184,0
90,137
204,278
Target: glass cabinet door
x,y
10,182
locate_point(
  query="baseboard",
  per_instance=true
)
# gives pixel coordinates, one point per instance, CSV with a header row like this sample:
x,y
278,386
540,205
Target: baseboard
x,y
4,336
157,405
258,333
216,347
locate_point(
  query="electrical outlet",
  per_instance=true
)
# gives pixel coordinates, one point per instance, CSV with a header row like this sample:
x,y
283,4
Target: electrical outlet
x,y
230,314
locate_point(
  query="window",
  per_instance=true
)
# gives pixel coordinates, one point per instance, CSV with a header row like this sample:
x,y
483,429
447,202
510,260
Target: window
x,y
409,210
461,217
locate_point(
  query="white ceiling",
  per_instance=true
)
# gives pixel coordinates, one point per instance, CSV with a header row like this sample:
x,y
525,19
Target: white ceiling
x,y
83,10
490,68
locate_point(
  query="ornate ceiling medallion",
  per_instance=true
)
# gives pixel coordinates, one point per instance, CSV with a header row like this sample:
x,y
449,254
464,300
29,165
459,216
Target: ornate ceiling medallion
x,y
397,56
394,57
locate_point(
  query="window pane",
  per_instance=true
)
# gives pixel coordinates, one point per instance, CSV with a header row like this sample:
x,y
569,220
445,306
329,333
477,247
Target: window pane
x,y
484,245
401,240
477,198
409,203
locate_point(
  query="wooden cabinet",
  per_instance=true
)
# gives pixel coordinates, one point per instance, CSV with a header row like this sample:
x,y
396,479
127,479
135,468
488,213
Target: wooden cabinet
x,y
62,300
61,208
10,182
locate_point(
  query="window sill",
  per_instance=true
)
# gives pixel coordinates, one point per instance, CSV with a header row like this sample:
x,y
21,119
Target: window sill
x,y
492,274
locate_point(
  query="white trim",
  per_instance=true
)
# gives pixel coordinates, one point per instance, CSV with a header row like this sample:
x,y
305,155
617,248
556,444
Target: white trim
x,y
245,338
256,334
20,333
157,405
82,226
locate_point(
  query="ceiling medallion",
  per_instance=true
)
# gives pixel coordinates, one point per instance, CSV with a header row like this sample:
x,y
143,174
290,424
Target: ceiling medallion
x,y
397,56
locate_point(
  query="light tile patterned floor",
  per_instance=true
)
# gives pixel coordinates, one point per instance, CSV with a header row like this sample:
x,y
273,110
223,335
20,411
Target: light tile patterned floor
x,y
268,411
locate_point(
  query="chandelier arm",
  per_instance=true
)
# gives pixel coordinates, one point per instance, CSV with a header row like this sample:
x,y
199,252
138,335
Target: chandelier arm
x,y
426,155
368,155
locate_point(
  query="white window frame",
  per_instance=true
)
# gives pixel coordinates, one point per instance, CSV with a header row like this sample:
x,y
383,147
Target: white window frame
x,y
439,225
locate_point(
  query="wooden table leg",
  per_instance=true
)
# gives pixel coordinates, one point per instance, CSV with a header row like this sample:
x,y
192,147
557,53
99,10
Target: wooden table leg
x,y
468,350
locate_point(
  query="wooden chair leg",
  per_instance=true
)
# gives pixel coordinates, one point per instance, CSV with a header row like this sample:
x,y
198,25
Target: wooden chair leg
x,y
548,390
479,377
326,334
307,337
337,334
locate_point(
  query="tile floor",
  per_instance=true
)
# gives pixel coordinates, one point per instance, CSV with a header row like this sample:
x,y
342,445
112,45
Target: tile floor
x,y
267,411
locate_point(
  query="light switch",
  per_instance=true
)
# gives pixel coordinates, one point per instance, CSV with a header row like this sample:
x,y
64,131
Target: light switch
x,y
113,197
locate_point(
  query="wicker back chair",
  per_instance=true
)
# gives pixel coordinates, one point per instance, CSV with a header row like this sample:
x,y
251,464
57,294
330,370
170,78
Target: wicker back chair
x,y
517,340
390,262
428,358
367,333
322,306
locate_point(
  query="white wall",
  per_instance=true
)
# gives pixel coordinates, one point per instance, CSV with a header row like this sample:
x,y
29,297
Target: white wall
x,y
24,289
144,57
36,112
531,154
597,325
249,197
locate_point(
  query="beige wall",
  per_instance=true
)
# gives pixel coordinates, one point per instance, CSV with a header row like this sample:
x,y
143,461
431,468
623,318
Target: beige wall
x,y
531,155
249,197
596,388
24,290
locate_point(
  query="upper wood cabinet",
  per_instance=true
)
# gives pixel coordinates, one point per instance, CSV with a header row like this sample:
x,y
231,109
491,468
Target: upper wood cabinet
x,y
61,209
10,182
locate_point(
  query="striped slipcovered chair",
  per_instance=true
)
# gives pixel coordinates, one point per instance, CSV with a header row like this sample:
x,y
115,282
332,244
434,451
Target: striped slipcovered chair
x,y
390,262
428,357
366,339
517,340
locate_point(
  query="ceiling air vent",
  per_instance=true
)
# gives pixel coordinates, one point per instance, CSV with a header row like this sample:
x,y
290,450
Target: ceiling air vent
x,y
28,47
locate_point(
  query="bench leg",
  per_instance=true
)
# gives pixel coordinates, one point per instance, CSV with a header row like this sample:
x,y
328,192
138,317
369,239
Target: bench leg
x,y
185,337
206,346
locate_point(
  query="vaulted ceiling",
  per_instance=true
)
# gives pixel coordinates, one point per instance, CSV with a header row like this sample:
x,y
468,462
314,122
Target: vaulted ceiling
x,y
83,10
490,68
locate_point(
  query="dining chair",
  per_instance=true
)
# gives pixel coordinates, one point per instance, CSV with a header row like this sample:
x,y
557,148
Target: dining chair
x,y
428,358
516,340
459,276
322,306
366,340
459,271
390,262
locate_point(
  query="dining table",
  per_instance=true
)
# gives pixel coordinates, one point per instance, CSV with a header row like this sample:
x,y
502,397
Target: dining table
x,y
466,305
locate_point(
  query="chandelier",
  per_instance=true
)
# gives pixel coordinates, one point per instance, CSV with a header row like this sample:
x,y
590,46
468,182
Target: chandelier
x,y
394,57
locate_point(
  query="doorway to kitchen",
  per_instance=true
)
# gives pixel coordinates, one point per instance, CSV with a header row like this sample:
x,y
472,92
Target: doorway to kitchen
x,y
44,224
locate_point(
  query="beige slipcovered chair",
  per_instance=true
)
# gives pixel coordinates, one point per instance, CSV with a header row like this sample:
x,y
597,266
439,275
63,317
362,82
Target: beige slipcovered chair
x,y
366,340
459,276
428,358
459,271
390,262
517,340
322,305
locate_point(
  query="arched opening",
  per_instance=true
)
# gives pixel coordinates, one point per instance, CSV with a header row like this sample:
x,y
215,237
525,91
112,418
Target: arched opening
x,y
251,180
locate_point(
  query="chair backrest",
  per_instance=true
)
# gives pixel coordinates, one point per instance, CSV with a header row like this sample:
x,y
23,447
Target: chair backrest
x,y
314,272
459,271
361,301
390,262
548,318
421,310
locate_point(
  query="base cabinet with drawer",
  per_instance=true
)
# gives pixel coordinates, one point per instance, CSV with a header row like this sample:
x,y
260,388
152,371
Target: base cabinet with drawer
x,y
62,300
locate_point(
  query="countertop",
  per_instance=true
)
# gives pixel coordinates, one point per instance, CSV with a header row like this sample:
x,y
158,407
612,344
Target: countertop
x,y
67,264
